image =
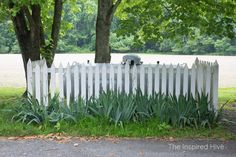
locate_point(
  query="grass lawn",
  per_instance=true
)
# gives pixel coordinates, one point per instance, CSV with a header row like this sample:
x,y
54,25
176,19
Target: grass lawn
x,y
100,127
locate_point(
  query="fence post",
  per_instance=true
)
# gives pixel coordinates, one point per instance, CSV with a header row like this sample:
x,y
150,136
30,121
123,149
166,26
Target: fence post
x,y
185,81
68,84
61,83
29,78
178,81
171,80
215,85
37,83
157,79
150,84
45,84
53,81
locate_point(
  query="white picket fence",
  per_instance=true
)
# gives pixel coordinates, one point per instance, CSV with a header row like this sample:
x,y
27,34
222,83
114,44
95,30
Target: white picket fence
x,y
86,80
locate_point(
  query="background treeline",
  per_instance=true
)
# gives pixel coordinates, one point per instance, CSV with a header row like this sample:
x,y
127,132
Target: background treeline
x,y
78,36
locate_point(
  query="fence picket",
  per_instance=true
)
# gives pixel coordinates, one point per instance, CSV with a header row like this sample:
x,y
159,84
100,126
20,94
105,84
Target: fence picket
x,y
163,80
142,79
171,80
76,82
150,84
208,81
29,78
68,84
119,78
104,77
200,78
61,83
127,82
215,85
134,79
45,84
185,81
52,81
90,81
112,78
97,81
157,79
193,80
177,81
83,82
37,83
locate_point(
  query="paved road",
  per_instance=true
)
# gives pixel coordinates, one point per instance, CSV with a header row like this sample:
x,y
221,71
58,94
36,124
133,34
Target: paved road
x,y
12,74
116,148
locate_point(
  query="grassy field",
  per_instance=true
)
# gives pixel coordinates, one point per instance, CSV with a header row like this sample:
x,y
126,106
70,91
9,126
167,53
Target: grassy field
x,y
100,127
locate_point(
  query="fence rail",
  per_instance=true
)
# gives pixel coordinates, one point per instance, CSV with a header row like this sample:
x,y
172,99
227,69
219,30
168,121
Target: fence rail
x,y
86,80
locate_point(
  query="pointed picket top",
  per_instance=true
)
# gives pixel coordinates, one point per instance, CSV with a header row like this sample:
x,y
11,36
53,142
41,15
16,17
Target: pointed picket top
x,y
29,63
196,61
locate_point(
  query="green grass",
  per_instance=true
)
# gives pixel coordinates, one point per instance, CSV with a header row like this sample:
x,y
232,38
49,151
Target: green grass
x,y
227,94
100,127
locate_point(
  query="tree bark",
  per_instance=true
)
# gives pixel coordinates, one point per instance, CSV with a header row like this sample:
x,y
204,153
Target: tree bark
x,y
106,10
29,31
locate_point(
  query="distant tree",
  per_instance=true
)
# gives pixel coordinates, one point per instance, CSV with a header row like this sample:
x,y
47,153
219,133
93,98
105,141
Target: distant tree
x,y
156,20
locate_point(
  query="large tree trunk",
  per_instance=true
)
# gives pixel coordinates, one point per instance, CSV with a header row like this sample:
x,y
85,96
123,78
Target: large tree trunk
x,y
30,34
106,10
